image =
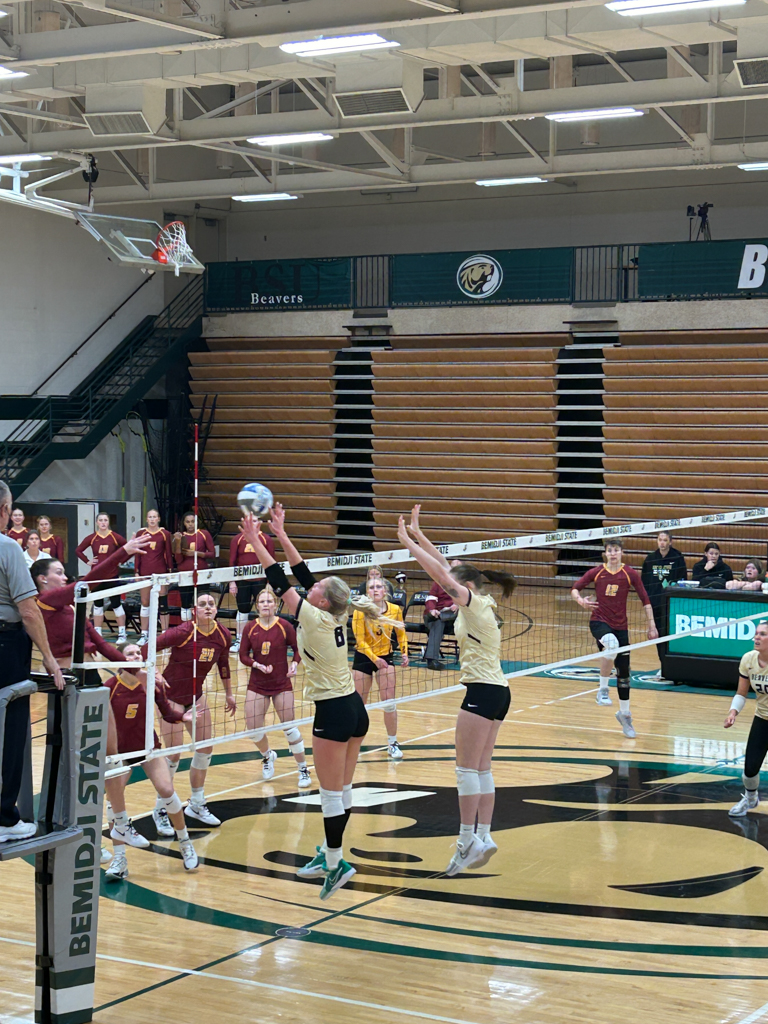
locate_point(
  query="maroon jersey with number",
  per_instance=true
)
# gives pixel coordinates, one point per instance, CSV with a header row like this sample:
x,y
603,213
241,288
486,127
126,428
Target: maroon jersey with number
x,y
269,647
128,700
59,615
202,542
158,558
20,536
100,547
53,547
241,551
192,658
612,590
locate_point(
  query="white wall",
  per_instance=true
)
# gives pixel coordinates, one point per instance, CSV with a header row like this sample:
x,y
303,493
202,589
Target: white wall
x,y
56,286
101,475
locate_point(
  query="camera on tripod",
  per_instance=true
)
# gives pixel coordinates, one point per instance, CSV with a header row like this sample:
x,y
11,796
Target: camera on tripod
x,y
702,213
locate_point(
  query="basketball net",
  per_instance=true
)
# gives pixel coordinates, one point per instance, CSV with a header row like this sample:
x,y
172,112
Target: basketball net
x,y
171,246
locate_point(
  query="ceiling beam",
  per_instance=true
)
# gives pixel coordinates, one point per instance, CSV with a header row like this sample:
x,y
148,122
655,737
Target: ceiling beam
x,y
675,54
523,141
130,170
311,95
42,115
397,165
185,25
239,100
673,124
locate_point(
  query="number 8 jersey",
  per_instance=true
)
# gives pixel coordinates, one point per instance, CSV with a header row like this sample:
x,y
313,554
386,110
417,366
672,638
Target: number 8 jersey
x,y
323,647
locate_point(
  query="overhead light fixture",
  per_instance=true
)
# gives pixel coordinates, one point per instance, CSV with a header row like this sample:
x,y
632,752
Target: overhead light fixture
x,y
759,166
636,8
264,197
338,44
290,140
23,158
7,73
4,14
595,115
489,182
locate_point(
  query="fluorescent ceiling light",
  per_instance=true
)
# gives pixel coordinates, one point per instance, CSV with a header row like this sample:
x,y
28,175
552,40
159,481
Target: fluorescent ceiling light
x,y
595,115
3,14
636,8
264,197
338,44
23,158
762,166
290,140
7,73
488,182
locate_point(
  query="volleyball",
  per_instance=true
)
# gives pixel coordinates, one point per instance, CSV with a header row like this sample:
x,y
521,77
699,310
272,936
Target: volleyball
x,y
255,498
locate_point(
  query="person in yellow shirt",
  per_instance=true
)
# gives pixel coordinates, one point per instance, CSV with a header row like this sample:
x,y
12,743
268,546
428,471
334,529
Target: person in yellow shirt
x,y
753,672
487,699
374,653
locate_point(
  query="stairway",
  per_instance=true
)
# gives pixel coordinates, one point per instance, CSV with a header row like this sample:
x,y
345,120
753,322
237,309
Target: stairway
x,y
70,427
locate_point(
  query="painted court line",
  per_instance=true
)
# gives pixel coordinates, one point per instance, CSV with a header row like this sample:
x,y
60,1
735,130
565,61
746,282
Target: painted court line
x,y
760,1012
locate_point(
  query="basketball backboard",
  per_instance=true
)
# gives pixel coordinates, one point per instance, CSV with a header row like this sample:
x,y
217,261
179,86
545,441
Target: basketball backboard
x,y
131,241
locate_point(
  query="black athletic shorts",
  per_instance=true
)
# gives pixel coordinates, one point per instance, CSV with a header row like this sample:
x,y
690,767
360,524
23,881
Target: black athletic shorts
x,y
601,629
188,594
362,663
247,593
488,700
105,603
340,718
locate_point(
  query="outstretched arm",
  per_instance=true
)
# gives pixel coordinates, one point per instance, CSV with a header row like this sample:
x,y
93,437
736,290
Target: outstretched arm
x,y
250,527
278,528
424,543
439,572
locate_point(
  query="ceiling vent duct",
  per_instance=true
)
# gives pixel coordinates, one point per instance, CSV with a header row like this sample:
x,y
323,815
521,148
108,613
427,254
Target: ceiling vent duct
x,y
752,72
390,86
119,110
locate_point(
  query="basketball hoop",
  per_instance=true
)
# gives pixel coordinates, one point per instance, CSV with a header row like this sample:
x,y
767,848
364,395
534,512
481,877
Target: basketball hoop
x,y
171,246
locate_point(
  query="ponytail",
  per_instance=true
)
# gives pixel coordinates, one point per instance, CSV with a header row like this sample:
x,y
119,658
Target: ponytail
x,y
465,572
340,599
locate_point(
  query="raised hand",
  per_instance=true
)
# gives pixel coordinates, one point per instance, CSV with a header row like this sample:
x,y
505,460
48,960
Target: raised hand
x,y
402,533
250,527
138,544
413,526
277,518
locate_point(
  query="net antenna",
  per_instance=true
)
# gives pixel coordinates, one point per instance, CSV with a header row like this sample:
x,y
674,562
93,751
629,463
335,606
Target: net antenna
x,y
171,246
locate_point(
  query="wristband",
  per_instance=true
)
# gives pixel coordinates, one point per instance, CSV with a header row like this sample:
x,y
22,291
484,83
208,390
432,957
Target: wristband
x,y
738,702
303,576
277,579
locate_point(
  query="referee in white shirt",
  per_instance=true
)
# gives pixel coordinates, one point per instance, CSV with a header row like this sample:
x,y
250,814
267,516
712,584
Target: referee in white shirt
x,y
21,622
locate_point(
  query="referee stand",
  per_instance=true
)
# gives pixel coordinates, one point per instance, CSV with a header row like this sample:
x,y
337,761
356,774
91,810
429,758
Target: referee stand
x,y
67,846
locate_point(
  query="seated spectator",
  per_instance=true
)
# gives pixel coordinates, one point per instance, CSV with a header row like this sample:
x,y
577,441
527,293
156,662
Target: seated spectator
x,y
753,578
439,613
712,572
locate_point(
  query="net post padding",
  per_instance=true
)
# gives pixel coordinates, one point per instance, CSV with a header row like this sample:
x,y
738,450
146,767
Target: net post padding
x,y
171,246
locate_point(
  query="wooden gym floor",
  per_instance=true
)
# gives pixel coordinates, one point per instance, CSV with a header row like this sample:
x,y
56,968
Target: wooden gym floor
x,y
621,888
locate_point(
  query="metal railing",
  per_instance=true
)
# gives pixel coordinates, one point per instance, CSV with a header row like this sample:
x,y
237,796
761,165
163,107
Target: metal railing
x,y
605,273
61,420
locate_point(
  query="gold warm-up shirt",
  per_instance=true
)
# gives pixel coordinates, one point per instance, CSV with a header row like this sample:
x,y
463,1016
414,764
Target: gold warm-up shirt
x,y
758,680
323,647
479,637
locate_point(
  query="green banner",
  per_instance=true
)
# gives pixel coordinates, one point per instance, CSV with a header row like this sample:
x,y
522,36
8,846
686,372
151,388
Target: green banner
x,y
704,270
493,278
720,641
271,285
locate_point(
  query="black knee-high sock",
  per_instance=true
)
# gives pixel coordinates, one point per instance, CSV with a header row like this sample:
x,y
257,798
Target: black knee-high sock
x,y
334,830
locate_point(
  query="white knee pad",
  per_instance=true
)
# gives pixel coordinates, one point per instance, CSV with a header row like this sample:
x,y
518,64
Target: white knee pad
x,y
258,735
172,804
389,706
119,610
332,802
241,618
295,742
201,761
751,782
610,643
346,796
467,781
186,614
486,782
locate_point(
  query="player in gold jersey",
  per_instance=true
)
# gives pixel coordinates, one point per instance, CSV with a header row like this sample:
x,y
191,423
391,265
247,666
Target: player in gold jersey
x,y
341,721
753,672
486,703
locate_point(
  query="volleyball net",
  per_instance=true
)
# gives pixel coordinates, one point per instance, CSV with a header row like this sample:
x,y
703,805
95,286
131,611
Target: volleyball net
x,y
543,630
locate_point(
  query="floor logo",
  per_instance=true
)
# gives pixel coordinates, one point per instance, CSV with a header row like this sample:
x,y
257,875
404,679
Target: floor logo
x,y
479,276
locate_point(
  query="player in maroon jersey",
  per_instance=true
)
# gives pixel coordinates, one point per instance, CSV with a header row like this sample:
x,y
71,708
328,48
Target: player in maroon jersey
x,y
195,648
127,723
52,545
157,560
17,531
184,547
608,623
56,597
102,544
264,649
246,591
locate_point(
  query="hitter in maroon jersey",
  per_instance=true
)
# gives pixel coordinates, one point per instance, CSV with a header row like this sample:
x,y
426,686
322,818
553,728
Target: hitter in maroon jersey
x,y
156,561
102,544
608,623
195,648
127,722
264,649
